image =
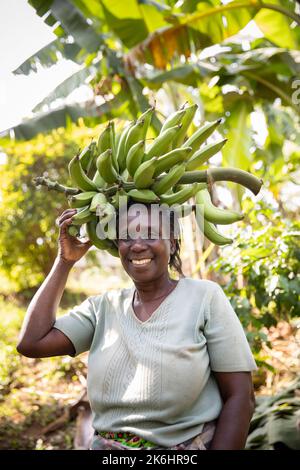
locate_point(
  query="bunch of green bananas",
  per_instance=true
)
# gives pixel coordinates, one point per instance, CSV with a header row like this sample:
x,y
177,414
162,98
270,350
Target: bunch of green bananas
x,y
121,164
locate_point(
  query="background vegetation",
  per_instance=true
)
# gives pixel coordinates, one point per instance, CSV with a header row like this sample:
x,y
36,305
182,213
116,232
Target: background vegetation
x,y
130,55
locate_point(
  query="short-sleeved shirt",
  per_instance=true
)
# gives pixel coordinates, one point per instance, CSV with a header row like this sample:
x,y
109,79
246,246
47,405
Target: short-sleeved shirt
x,y
155,378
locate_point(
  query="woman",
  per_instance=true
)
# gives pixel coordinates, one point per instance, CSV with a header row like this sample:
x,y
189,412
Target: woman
x,y
169,364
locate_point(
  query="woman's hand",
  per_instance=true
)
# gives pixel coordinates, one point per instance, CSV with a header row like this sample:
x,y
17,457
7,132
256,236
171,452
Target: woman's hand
x,y
70,248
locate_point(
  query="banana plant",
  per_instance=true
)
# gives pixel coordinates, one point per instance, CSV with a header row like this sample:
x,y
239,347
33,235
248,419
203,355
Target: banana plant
x,y
115,40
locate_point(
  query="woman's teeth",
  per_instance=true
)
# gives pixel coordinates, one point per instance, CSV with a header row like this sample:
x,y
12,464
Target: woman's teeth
x,y
141,261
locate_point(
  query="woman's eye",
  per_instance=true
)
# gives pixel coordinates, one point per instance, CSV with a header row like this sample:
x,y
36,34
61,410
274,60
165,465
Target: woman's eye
x,y
146,235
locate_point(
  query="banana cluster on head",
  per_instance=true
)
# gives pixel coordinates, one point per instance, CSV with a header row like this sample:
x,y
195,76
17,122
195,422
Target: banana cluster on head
x,y
123,164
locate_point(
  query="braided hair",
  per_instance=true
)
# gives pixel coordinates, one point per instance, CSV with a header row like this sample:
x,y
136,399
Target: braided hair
x,y
175,261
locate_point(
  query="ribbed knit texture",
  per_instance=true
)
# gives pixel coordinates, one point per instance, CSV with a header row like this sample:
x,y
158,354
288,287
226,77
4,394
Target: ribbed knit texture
x,y
154,378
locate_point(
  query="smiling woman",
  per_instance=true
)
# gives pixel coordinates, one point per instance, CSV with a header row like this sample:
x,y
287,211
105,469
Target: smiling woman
x,y
169,364
146,249
149,235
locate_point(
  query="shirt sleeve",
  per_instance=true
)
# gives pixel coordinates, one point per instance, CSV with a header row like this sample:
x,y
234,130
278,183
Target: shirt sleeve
x,y
79,325
228,348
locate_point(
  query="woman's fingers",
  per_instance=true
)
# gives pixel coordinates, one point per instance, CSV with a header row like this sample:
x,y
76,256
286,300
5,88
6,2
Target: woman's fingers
x,y
63,225
65,215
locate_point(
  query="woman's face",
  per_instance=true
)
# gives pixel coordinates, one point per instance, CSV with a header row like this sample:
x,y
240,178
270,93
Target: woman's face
x,y
143,247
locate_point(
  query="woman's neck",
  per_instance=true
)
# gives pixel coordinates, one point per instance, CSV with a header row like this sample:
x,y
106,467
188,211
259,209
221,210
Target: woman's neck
x,y
148,291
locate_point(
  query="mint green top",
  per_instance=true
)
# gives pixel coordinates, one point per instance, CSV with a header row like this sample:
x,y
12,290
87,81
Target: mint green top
x,y
154,378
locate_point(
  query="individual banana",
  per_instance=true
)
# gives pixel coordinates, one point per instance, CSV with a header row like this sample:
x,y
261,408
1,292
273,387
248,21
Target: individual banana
x,y
98,180
143,195
215,214
203,154
168,160
172,120
125,176
108,211
113,250
121,154
87,155
104,140
183,195
211,232
162,142
106,168
185,124
146,118
143,177
168,180
118,135
102,244
135,134
135,156
113,145
99,201
82,216
79,178
107,227
107,221
202,134
74,230
120,197
81,199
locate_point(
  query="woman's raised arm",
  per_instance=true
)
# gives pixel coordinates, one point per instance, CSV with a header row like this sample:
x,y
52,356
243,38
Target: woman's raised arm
x,y
38,338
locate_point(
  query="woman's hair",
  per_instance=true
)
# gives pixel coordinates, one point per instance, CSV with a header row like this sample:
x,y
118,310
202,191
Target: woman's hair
x,y
175,262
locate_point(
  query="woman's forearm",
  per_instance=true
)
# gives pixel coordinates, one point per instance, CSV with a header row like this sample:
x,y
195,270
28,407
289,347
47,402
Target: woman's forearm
x,y
233,424
40,315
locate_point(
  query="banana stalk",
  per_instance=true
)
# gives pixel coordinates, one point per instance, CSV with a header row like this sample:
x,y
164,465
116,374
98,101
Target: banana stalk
x,y
235,175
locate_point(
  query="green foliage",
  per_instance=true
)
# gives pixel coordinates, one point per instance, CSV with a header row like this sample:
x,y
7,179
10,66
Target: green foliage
x,y
262,269
276,420
113,41
28,234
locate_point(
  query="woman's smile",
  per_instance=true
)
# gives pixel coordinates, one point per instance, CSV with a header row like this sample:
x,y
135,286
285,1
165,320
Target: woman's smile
x,y
141,262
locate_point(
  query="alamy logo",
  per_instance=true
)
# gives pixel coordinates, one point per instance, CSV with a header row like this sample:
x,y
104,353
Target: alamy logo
x,y
157,221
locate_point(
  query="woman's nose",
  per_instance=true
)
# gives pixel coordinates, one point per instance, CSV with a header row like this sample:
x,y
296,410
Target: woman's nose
x,y
138,244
